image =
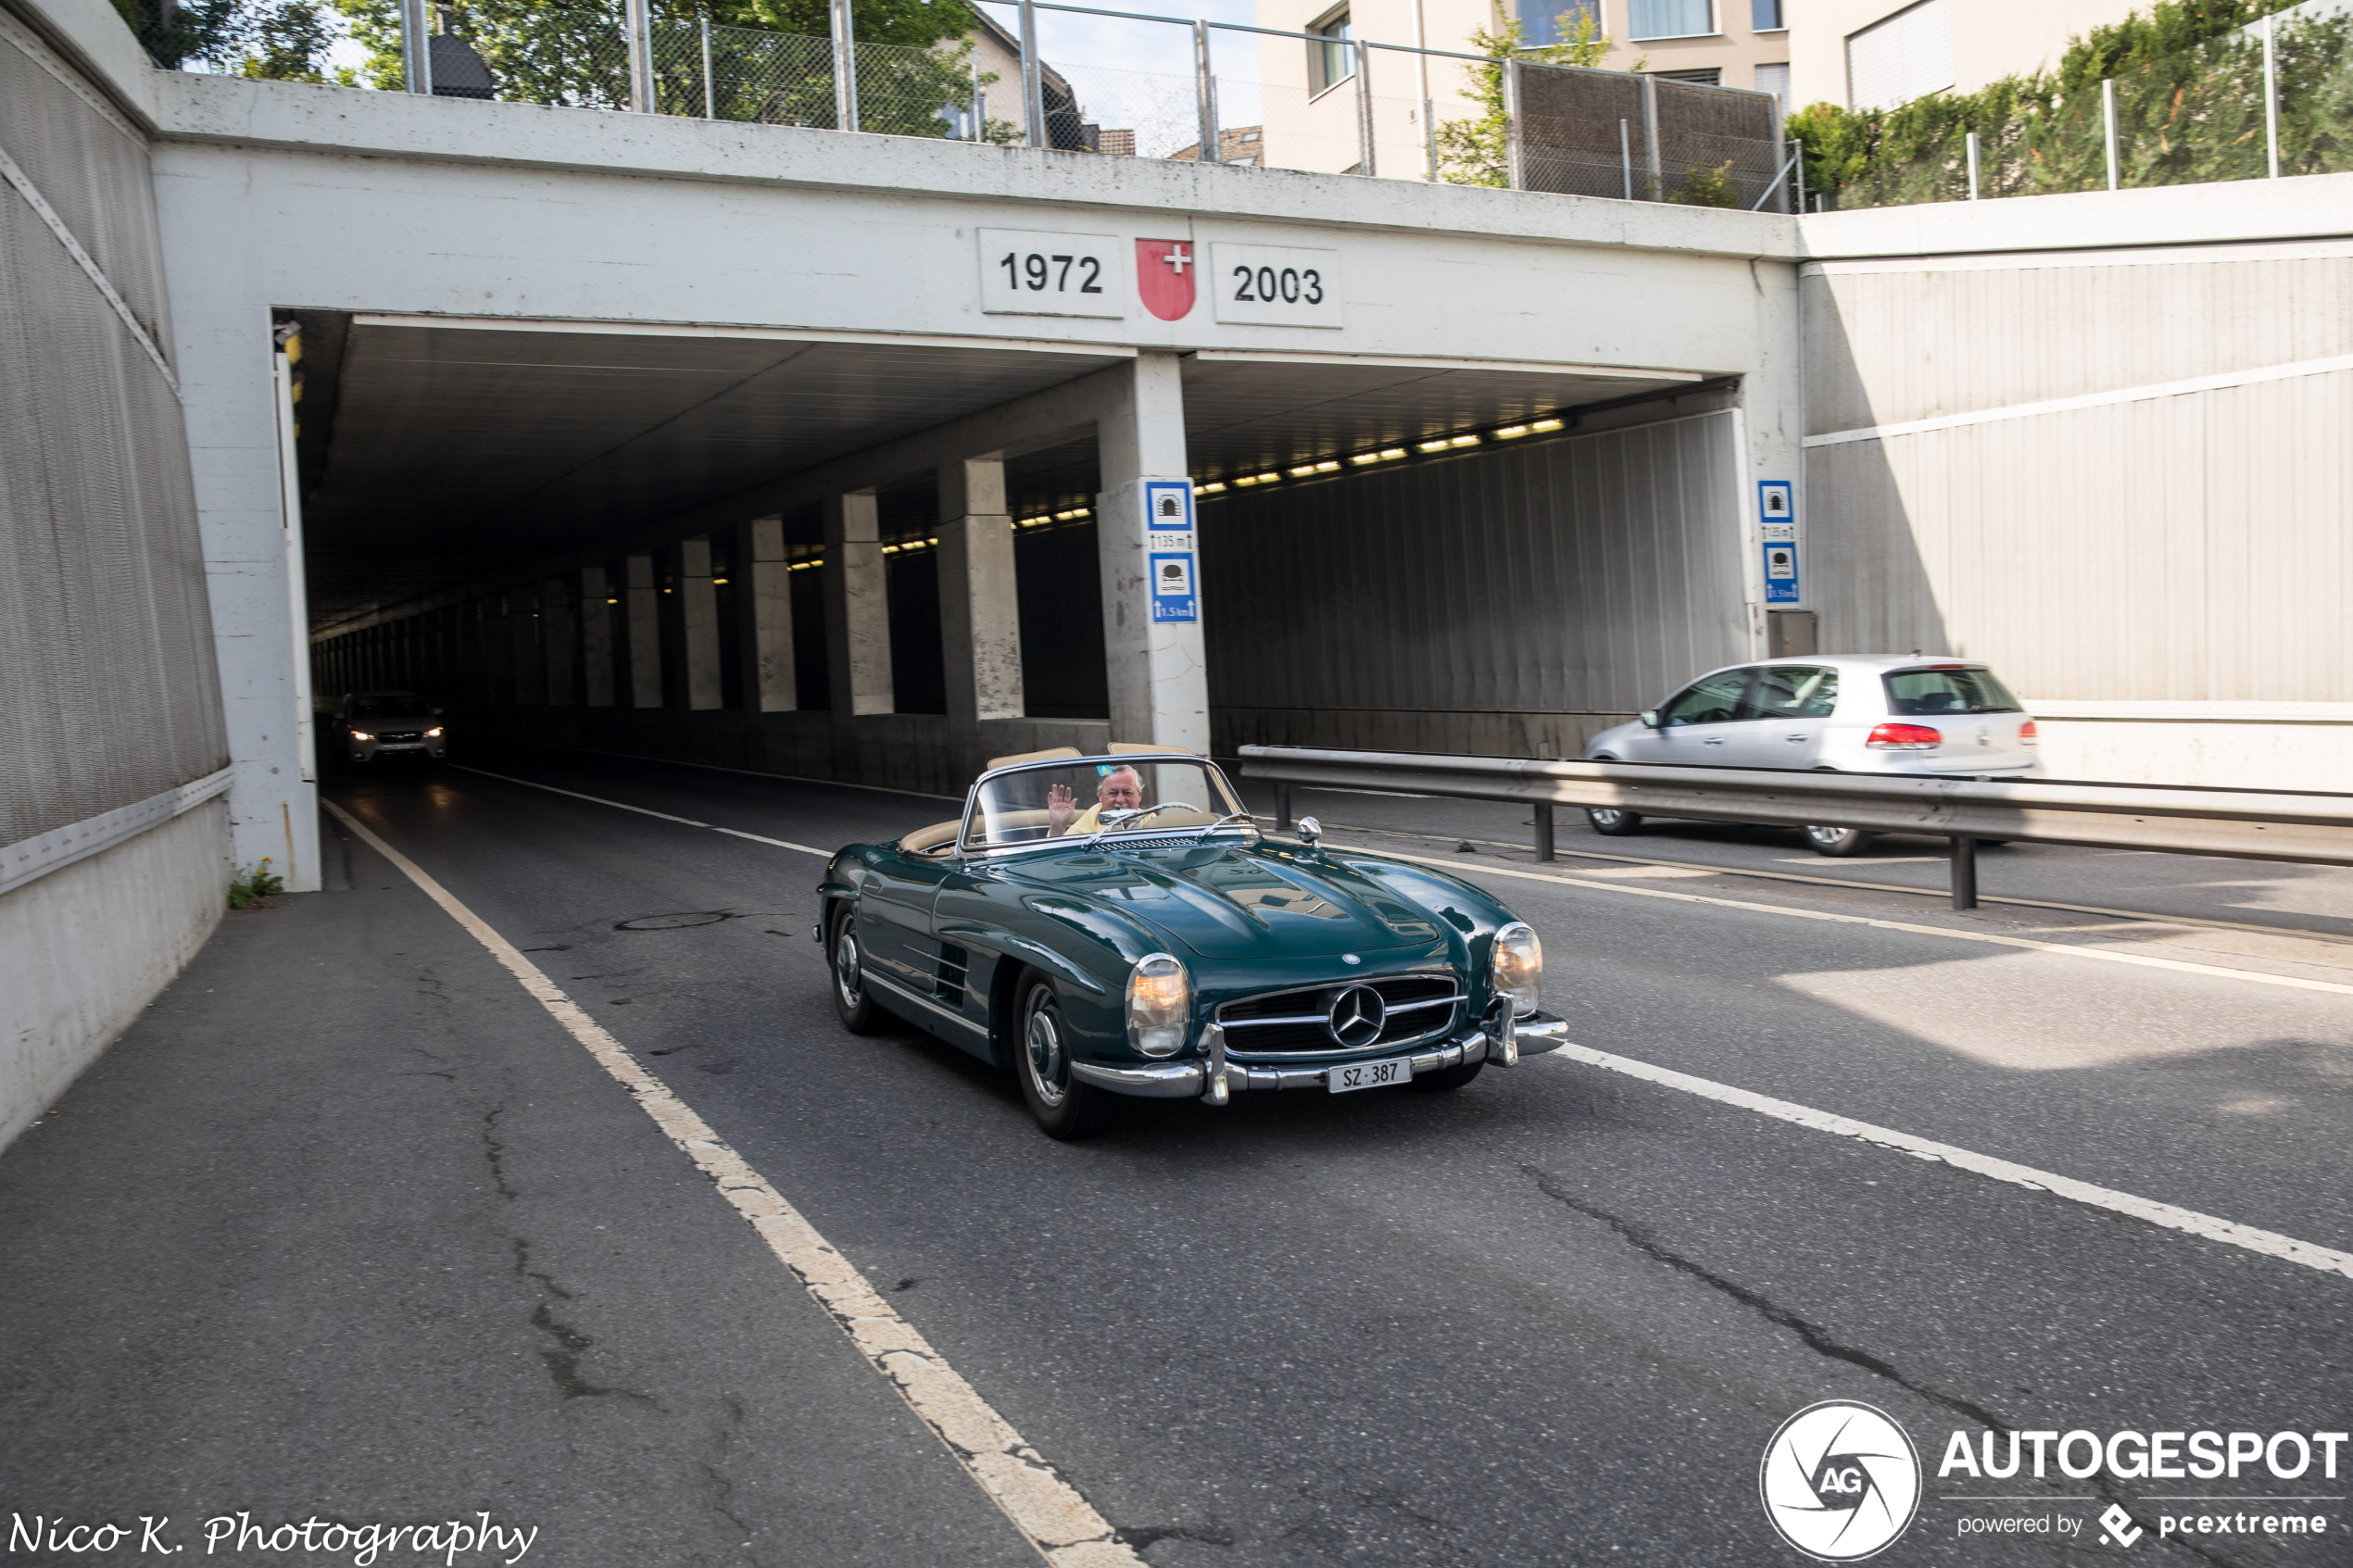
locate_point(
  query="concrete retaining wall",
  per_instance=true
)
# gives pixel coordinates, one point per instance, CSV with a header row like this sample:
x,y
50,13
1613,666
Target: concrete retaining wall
x,y
90,945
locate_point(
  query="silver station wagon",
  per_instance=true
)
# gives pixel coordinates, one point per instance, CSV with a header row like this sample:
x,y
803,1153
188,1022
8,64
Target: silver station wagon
x,y
1852,713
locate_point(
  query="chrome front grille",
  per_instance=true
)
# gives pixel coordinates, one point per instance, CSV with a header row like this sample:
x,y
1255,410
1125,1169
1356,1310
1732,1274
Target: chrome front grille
x,y
1293,1022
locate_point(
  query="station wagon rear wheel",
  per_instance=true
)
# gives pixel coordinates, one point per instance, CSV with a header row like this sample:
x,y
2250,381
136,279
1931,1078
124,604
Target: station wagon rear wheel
x,y
852,1001
1612,823
1839,842
1065,1106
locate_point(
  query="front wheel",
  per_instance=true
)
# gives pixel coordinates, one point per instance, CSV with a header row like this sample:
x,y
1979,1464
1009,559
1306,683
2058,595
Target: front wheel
x,y
1610,823
1065,1107
852,1001
1840,842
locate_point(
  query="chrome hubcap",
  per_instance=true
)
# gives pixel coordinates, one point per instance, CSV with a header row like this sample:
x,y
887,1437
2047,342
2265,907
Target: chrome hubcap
x,y
1044,1039
846,973
1607,819
1826,836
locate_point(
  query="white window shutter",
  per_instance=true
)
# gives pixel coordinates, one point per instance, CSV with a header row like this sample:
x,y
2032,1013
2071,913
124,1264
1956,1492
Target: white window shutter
x,y
1901,58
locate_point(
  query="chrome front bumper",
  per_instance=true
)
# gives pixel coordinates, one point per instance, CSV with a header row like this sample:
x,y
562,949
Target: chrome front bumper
x,y
1217,1080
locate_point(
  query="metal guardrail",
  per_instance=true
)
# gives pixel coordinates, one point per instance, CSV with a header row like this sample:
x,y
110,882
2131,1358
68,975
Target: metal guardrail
x,y
2179,820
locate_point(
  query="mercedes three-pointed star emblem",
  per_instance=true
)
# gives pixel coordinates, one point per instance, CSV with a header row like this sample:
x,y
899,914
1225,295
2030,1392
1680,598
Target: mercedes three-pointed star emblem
x,y
1356,1017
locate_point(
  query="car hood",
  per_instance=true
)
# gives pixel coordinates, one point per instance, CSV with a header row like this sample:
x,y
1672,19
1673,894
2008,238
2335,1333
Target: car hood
x,y
1257,901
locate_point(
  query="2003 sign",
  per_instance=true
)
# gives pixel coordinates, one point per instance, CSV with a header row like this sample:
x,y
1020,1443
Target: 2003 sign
x,y
1276,285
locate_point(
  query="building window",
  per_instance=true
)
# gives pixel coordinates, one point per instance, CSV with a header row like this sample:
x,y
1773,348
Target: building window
x,y
1546,22
1709,76
1670,19
1764,16
1333,62
1904,56
1774,80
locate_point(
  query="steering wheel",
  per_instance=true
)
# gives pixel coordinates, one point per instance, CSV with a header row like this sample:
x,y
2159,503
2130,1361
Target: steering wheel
x,y
1122,817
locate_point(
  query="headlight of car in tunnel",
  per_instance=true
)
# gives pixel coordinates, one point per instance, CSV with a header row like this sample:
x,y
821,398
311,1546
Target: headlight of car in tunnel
x,y
361,735
1518,967
433,734
1160,997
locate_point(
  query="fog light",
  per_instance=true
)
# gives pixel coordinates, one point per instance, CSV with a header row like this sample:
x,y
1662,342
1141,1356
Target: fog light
x,y
1160,998
1518,967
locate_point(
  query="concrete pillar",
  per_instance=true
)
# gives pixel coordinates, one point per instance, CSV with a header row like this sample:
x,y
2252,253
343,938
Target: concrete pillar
x,y
763,617
979,605
560,640
522,625
645,633
1159,677
857,607
596,638
699,619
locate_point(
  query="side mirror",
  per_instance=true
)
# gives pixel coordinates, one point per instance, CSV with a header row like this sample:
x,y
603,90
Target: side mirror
x,y
1311,832
1649,718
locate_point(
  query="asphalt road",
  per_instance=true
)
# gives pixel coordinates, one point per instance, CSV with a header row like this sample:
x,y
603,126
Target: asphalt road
x,y
1554,1317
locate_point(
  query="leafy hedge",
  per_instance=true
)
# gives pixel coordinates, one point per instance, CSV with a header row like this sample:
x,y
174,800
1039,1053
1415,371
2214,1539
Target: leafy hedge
x,y
2189,101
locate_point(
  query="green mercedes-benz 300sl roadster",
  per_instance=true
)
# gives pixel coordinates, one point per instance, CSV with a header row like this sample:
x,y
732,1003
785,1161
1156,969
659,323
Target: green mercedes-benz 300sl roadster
x,y
1118,925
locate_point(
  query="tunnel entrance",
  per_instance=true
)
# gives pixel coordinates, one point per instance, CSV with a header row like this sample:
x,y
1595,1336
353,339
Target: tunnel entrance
x,y
786,552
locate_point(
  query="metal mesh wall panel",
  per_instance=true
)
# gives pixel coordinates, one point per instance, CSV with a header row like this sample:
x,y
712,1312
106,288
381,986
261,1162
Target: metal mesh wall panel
x,y
89,165
1709,131
1583,132
1583,575
109,688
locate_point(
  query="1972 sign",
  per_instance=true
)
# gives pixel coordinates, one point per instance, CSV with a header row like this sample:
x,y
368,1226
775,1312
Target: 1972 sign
x,y
1024,272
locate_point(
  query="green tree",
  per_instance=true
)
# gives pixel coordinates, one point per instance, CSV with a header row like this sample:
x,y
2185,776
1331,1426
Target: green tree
x,y
1477,151
771,60
289,43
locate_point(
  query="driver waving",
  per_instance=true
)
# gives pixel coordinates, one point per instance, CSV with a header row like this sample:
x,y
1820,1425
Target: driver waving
x,y
1121,790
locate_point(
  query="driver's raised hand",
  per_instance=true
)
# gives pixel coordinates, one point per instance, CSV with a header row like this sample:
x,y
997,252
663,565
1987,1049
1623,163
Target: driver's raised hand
x,y
1061,807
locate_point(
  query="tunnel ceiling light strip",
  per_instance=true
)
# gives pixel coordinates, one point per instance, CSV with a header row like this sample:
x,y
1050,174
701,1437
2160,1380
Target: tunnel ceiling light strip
x,y
1432,448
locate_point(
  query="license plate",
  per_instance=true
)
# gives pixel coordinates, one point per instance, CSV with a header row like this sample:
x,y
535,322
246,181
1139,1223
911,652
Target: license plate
x,y
1369,1075
401,746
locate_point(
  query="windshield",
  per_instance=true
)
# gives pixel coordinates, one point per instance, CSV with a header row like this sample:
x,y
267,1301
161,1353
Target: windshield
x,y
1106,796
1953,689
393,706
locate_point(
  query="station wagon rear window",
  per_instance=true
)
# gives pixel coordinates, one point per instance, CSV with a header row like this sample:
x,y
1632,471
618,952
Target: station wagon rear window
x,y
1926,693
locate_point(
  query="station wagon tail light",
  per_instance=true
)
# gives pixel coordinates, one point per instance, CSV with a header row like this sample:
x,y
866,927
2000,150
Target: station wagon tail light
x,y
1518,967
2027,734
1159,999
1904,738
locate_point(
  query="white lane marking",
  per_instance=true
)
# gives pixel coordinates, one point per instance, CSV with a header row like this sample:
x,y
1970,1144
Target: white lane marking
x,y
1047,1510
644,811
2269,1243
779,843
2064,950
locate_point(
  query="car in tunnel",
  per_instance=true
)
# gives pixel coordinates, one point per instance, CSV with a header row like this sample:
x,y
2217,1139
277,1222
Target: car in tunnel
x,y
382,726
1868,713
1117,925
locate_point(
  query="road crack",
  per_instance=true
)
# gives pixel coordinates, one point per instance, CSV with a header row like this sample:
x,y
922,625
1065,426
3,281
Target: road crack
x,y
1817,1337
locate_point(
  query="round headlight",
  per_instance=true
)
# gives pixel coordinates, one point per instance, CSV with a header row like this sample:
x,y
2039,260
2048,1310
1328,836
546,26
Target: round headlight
x,y
1518,967
1160,998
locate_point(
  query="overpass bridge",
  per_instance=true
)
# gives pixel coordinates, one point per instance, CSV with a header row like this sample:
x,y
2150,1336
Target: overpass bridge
x,y
831,454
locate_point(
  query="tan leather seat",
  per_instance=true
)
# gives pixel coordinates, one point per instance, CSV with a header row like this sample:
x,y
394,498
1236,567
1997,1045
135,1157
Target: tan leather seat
x,y
1050,753
926,841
